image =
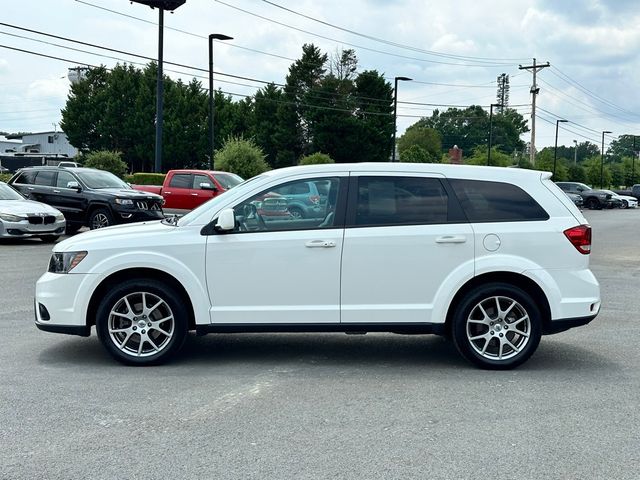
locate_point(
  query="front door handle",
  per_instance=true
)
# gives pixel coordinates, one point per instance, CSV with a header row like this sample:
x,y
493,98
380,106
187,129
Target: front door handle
x,y
451,239
56,191
320,244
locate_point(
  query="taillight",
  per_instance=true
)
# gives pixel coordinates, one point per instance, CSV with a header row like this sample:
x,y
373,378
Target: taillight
x,y
580,237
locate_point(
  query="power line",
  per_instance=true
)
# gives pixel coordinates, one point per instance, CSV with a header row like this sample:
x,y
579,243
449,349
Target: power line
x,y
486,65
388,42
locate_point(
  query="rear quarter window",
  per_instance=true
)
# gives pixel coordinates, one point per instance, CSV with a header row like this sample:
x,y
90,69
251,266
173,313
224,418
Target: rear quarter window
x,y
485,201
26,178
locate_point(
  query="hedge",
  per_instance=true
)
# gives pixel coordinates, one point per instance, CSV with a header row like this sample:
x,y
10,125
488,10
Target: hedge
x,y
4,177
145,178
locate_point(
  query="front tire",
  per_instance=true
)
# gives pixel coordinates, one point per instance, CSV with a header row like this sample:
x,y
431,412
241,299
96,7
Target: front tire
x,y
142,322
593,204
497,326
625,204
100,218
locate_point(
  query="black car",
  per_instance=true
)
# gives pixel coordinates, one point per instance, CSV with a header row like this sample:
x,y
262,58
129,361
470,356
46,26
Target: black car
x,y
593,199
87,197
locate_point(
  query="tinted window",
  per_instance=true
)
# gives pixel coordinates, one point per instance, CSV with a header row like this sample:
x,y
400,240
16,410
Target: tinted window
x,y
181,180
101,179
400,201
64,178
297,188
26,178
496,202
45,177
228,180
198,179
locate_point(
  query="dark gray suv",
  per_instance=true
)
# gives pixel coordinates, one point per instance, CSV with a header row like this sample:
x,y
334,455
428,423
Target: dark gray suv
x,y
593,199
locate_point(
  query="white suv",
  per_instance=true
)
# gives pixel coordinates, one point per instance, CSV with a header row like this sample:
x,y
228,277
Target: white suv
x,y
490,257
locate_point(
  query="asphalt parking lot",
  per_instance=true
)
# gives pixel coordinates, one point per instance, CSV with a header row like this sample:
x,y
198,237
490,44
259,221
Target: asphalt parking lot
x,y
297,406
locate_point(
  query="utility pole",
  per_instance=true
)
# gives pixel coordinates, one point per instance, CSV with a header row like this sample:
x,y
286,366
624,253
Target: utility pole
x,y
535,68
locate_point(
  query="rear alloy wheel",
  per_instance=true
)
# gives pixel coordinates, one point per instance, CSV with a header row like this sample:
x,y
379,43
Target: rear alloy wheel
x,y
142,322
296,213
497,326
100,218
625,204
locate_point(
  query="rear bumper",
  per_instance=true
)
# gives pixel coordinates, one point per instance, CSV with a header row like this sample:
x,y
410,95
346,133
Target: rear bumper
x,y
82,331
563,324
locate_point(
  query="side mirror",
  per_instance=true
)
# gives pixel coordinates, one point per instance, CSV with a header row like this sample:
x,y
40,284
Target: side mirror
x,y
226,220
74,185
208,186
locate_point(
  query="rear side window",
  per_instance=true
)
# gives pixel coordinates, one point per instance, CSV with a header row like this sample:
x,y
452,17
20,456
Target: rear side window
x,y
400,201
26,178
484,201
45,177
181,180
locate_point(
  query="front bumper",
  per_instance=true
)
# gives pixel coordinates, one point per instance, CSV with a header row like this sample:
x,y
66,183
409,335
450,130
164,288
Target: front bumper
x,y
131,215
61,302
24,229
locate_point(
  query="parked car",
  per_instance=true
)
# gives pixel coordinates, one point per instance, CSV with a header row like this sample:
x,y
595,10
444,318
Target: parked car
x,y
188,189
491,257
68,164
21,218
593,199
304,200
625,201
634,191
86,196
576,199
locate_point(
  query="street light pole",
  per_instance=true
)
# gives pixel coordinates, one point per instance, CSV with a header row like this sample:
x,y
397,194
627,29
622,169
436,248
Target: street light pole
x,y
212,37
602,158
395,111
161,5
575,152
555,150
633,162
491,130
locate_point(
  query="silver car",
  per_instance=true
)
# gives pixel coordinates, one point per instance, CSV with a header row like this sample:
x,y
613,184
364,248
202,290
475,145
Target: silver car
x,y
20,218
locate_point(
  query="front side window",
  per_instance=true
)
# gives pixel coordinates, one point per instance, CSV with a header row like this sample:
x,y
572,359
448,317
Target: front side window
x,y
199,179
273,210
64,178
484,201
386,201
100,179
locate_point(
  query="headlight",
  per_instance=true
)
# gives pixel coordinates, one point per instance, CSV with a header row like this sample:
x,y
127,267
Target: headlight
x,y
65,262
124,201
7,217
59,217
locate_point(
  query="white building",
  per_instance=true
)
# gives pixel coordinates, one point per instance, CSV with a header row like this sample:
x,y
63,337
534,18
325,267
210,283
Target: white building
x,y
47,143
9,146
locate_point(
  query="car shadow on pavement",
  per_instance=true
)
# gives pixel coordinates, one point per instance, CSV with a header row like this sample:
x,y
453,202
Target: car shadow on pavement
x,y
268,350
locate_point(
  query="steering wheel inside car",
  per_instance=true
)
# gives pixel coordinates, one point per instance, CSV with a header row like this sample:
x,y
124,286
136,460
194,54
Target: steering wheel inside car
x,y
251,220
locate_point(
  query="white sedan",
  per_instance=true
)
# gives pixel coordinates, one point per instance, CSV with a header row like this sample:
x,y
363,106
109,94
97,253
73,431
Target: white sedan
x,y
627,201
21,218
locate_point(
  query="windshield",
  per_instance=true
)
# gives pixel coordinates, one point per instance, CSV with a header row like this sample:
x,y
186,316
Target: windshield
x,y
8,193
100,179
212,204
228,180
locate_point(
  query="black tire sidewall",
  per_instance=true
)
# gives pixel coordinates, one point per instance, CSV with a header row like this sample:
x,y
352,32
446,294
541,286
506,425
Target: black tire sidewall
x,y
470,300
155,287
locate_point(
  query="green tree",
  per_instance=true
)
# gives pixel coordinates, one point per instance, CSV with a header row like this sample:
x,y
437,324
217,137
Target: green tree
x,y
480,156
623,147
544,162
576,173
106,160
593,168
316,159
426,138
417,154
242,157
266,102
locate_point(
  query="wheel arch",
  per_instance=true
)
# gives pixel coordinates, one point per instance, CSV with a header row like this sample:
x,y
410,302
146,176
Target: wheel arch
x,y
521,281
138,273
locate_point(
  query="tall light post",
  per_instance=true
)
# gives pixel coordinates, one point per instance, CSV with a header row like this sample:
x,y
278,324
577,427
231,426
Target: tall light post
x,y
212,37
491,130
602,158
395,111
633,162
161,5
575,152
555,149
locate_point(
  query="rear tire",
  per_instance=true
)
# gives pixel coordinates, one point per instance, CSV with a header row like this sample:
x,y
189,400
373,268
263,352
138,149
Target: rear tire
x,y
625,204
497,326
593,204
296,212
142,322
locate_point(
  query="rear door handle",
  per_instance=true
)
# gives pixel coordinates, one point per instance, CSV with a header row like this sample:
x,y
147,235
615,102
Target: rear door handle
x,y
56,191
31,188
451,239
320,244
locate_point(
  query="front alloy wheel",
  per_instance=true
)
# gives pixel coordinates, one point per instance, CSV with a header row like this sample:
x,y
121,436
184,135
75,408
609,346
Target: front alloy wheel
x,y
142,322
497,326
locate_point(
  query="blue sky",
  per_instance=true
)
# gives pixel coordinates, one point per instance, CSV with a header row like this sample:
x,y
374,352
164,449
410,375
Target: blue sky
x,y
592,46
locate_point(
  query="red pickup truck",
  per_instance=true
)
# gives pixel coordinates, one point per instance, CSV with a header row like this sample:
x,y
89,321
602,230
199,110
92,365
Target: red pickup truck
x,y
188,189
